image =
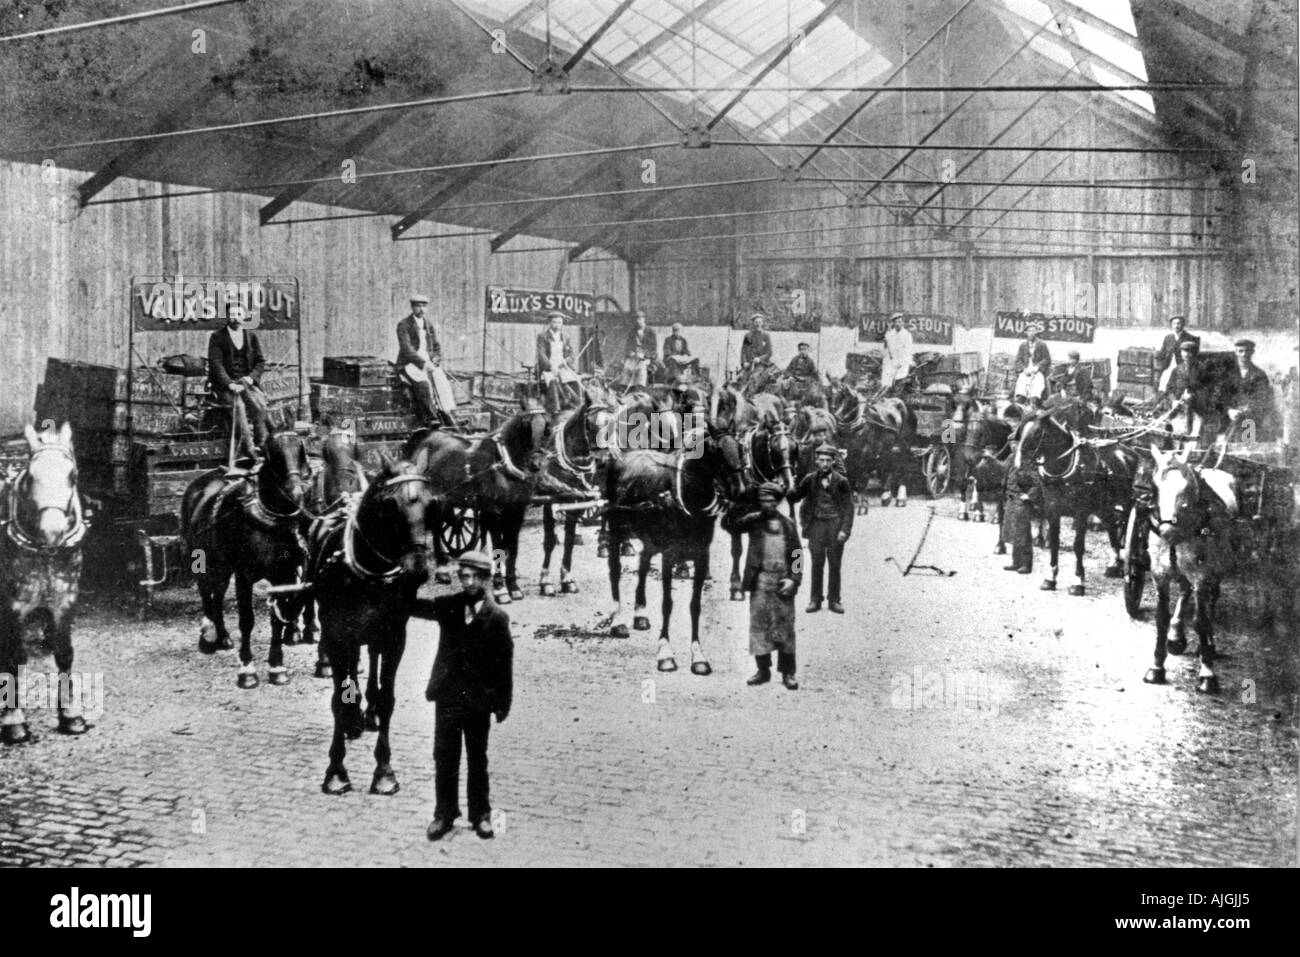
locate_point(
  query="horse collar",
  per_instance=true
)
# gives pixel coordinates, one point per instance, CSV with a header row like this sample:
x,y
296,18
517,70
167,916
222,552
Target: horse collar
x,y
71,536
507,464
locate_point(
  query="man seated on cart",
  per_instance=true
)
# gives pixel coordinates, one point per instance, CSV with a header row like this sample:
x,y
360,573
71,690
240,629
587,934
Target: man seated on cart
x,y
1033,363
419,361
1250,400
677,355
1190,383
235,367
554,366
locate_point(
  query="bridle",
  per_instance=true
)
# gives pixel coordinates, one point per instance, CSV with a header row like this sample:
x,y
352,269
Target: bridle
x,y
1181,509
352,530
75,524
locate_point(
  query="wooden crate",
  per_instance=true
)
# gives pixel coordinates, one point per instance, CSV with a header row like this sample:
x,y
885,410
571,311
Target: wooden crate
x,y
105,477
1138,375
1101,385
179,454
959,362
95,446
385,423
98,415
160,493
334,400
504,385
1137,357
357,371
109,383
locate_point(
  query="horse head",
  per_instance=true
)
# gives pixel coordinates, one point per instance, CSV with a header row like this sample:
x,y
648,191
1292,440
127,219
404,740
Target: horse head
x,y
47,490
342,471
524,438
397,503
1179,508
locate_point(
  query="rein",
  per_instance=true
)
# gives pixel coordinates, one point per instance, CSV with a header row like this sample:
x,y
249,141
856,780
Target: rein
x,y
352,529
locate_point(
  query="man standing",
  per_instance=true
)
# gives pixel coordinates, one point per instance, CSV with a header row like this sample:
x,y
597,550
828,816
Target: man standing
x,y
677,354
471,681
1170,354
419,362
554,358
1250,397
772,576
757,344
827,517
898,352
235,366
639,352
1033,363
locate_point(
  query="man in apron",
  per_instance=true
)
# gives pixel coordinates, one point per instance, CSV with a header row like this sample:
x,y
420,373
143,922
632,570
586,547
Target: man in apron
x,y
419,360
1033,362
554,365
897,361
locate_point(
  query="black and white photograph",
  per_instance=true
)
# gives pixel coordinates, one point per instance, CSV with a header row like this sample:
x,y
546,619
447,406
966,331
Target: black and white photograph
x,y
650,433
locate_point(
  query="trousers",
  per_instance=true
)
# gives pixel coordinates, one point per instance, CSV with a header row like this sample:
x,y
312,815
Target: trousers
x,y
249,413
451,724
784,662
825,548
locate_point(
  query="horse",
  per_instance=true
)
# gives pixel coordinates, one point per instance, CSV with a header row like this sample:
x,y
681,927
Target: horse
x,y
758,377
365,566
877,439
580,455
40,572
1078,478
339,476
669,501
769,453
496,475
1194,509
249,525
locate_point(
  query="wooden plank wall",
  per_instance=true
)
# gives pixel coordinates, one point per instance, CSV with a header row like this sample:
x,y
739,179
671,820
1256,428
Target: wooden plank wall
x,y
64,278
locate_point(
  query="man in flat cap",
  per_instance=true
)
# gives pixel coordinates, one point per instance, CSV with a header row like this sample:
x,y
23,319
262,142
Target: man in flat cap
x,y
897,362
419,362
773,570
1073,381
677,354
471,681
1249,396
1191,383
235,367
1032,365
1170,353
555,365
757,344
827,519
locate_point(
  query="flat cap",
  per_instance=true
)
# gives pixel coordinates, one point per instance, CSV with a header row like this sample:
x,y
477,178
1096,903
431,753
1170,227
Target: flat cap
x,y
1245,344
475,560
1072,354
770,490
419,297
826,449
1189,345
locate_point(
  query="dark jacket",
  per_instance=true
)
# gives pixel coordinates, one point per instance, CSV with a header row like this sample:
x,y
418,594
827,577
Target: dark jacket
x,y
408,341
676,346
544,350
810,490
1198,380
473,666
649,344
1040,357
755,345
1169,350
802,367
1253,395
224,361
1077,384
752,523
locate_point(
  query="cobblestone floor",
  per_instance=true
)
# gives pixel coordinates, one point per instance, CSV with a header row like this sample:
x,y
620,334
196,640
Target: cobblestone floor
x,y
1043,747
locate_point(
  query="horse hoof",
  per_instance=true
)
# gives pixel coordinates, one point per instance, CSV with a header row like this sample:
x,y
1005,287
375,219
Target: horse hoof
x,y
667,664
207,647
503,598
1048,585
280,677
225,644
1114,571
385,783
289,637
247,679
569,588
1154,676
73,725
336,783
1076,590
516,595
1208,685
15,734
323,670
442,578
964,517
641,623
546,590
371,719
308,637
1177,646
701,668
1000,550
619,631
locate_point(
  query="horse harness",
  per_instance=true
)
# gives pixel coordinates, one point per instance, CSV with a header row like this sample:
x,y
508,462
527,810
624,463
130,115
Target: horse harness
x,y
75,522
343,522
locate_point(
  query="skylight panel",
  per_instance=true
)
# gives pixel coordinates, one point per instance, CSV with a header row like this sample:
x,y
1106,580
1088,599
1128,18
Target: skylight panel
x,y
1049,47
1115,12
1140,97
1109,48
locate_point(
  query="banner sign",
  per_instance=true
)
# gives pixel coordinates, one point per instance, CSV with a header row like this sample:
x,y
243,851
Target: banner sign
x,y
174,303
1014,325
926,329
533,306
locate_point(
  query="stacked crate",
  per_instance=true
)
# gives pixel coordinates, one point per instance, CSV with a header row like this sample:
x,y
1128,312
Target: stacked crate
x,y
1137,375
281,385
1098,371
1001,375
956,370
162,468
354,386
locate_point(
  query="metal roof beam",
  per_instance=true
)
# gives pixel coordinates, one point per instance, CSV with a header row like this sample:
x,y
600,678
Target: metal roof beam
x,y
669,33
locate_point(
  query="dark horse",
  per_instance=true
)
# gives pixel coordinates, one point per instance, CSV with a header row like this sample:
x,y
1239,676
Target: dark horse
x,y
497,476
581,454
1078,479
769,453
40,571
366,565
248,526
669,500
876,436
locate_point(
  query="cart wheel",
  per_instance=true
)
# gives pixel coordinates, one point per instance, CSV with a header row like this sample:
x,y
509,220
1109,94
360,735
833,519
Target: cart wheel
x,y
460,532
938,471
1136,560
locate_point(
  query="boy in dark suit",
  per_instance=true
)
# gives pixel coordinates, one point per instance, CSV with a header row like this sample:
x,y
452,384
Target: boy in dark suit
x,y
827,518
471,681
